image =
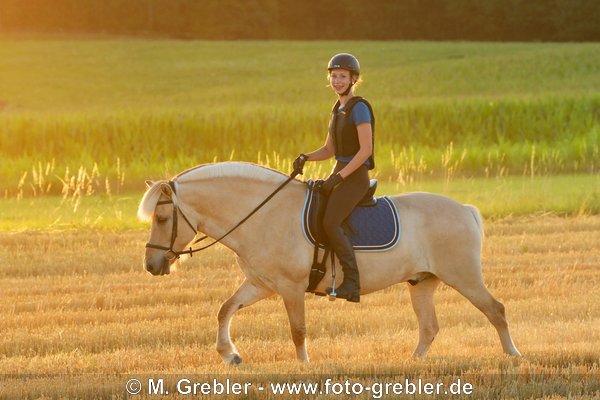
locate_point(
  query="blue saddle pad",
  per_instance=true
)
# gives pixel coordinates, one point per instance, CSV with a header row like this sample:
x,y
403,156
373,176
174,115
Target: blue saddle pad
x,y
375,228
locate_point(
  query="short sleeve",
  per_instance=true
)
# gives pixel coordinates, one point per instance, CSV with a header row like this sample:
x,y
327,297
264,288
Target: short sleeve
x,y
361,113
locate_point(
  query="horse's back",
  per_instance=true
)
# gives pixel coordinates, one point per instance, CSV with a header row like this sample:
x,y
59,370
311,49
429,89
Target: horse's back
x,y
436,207
438,224
424,199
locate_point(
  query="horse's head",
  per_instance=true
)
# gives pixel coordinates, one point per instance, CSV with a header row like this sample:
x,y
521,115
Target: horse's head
x,y
167,236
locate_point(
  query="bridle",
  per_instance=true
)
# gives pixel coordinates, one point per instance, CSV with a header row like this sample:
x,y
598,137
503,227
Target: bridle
x,y
177,211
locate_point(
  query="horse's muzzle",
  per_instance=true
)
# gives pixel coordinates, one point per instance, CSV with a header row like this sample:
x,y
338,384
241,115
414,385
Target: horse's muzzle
x,y
163,267
160,271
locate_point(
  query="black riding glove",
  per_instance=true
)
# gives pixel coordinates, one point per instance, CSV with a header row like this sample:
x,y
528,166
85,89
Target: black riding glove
x,y
299,163
331,182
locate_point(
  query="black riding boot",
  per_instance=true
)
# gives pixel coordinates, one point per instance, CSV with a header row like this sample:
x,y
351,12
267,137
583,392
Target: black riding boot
x,y
350,287
341,202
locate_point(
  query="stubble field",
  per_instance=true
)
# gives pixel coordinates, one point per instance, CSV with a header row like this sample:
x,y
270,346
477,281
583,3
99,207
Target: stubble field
x,y
80,318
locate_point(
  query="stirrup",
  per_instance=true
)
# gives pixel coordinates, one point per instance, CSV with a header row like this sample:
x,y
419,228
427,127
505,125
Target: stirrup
x,y
331,290
333,295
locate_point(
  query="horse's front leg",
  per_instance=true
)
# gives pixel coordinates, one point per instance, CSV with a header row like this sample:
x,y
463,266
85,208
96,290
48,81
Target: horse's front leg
x,y
293,298
245,295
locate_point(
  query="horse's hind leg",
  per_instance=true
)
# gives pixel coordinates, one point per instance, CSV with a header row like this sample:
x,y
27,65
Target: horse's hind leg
x,y
421,296
476,292
244,296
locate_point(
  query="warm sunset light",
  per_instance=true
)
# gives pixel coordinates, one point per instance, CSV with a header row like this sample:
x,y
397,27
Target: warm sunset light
x,y
175,176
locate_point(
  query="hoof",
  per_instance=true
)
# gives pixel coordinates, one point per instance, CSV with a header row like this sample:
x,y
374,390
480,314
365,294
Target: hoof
x,y
236,360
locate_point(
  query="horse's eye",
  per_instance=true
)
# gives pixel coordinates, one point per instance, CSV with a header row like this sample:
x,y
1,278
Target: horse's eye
x,y
161,220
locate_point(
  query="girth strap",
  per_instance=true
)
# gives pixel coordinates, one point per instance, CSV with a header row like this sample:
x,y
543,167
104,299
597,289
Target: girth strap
x,y
318,269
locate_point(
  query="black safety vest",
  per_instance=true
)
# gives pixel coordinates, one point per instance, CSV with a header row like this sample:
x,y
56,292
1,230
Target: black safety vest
x,y
344,132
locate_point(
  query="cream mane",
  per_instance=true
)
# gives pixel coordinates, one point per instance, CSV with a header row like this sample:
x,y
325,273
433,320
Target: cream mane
x,y
231,170
148,202
206,171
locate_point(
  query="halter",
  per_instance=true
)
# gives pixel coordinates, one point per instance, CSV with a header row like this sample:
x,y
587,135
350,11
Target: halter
x,y
177,211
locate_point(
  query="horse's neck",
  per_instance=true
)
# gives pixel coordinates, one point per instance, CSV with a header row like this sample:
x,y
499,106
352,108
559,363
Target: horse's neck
x,y
223,202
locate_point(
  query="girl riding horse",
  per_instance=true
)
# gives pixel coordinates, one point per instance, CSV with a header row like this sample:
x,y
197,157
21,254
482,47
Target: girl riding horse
x,y
350,140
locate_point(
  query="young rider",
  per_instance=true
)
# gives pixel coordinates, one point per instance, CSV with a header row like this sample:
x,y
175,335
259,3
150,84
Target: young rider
x,y
350,140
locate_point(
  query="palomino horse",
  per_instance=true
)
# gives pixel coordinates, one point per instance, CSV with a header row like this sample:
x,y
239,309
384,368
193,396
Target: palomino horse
x,y
441,241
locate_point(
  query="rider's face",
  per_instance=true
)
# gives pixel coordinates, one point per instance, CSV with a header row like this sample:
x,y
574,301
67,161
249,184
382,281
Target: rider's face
x,y
339,80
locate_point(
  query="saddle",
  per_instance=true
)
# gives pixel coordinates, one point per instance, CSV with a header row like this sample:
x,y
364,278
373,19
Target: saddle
x,y
373,226
316,209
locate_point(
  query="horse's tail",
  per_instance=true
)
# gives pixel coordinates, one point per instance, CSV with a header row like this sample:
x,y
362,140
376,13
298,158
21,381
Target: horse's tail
x,y
477,216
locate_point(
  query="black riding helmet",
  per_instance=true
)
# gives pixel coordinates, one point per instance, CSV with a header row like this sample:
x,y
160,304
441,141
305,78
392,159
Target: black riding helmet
x,y
345,61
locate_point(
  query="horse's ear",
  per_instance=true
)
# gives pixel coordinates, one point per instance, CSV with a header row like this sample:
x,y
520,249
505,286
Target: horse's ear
x,y
149,184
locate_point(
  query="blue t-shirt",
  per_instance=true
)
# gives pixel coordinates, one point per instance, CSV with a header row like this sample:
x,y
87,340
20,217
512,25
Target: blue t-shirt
x,y
360,114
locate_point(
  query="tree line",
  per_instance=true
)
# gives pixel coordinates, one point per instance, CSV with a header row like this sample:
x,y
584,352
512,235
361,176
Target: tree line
x,y
488,20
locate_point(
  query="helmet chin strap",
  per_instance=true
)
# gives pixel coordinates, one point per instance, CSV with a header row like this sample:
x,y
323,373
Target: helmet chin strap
x,y
348,90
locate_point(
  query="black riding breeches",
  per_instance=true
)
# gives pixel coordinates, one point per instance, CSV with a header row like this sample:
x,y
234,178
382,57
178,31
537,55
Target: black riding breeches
x,y
341,202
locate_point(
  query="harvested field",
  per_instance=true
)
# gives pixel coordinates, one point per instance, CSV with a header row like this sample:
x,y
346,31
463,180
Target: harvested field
x,y
80,318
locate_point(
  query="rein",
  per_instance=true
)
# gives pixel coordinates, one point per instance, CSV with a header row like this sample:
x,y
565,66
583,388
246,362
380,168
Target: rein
x,y
191,251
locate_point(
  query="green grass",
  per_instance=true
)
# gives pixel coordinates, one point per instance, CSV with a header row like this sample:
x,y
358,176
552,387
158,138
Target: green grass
x,y
139,109
52,213
516,196
107,75
496,198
